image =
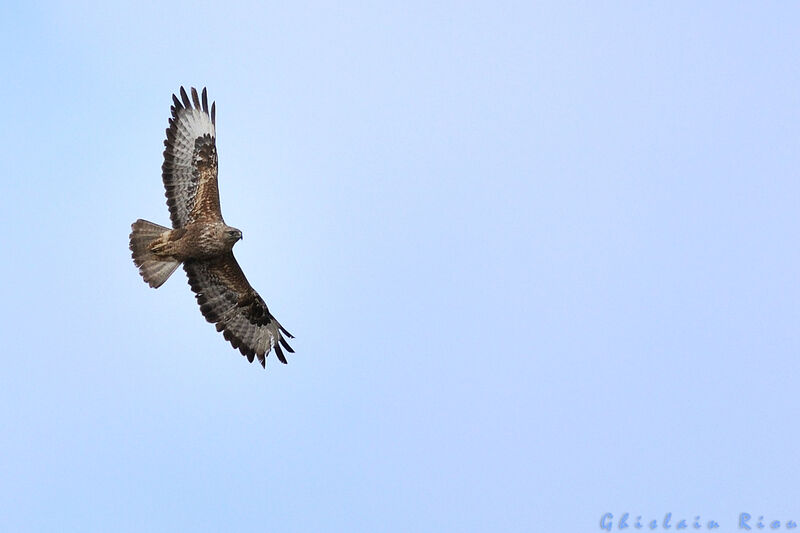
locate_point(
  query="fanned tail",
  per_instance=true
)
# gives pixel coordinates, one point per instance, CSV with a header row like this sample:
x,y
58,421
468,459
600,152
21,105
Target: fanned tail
x,y
154,269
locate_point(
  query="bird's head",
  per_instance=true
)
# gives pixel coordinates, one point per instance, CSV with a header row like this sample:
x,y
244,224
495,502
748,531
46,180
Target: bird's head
x,y
232,235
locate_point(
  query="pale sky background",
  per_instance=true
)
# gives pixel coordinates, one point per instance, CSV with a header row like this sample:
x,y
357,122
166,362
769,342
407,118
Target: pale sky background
x,y
541,261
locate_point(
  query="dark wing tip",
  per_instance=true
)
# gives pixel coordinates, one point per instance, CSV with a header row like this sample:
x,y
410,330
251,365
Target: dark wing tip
x,y
283,329
186,103
205,100
195,99
176,103
279,353
286,345
214,113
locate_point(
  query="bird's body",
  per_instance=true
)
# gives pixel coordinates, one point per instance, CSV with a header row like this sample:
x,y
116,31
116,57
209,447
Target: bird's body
x,y
196,241
200,239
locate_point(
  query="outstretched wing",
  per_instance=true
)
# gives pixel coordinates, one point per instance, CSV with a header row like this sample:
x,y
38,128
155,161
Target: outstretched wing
x,y
227,300
190,161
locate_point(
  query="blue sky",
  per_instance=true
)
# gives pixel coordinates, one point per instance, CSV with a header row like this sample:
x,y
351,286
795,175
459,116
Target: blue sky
x,y
540,259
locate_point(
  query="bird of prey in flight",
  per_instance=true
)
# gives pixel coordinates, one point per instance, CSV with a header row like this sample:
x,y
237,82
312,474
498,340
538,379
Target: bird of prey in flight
x,y
200,239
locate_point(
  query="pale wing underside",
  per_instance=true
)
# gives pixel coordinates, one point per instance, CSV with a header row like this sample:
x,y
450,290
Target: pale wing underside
x,y
190,160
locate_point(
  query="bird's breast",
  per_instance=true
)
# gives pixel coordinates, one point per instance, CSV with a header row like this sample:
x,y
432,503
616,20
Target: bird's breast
x,y
203,241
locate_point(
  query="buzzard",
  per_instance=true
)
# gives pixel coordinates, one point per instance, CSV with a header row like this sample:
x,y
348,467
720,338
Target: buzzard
x,y
200,239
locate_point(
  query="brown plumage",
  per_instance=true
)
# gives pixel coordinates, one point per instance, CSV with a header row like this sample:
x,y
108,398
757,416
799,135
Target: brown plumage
x,y
200,239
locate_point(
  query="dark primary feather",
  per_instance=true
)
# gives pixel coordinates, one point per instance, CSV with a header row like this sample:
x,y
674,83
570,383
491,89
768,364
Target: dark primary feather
x,y
228,300
196,100
189,171
185,99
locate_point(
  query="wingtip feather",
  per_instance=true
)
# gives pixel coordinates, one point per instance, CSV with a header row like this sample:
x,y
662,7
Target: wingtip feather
x,y
279,353
286,345
195,99
283,329
186,103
